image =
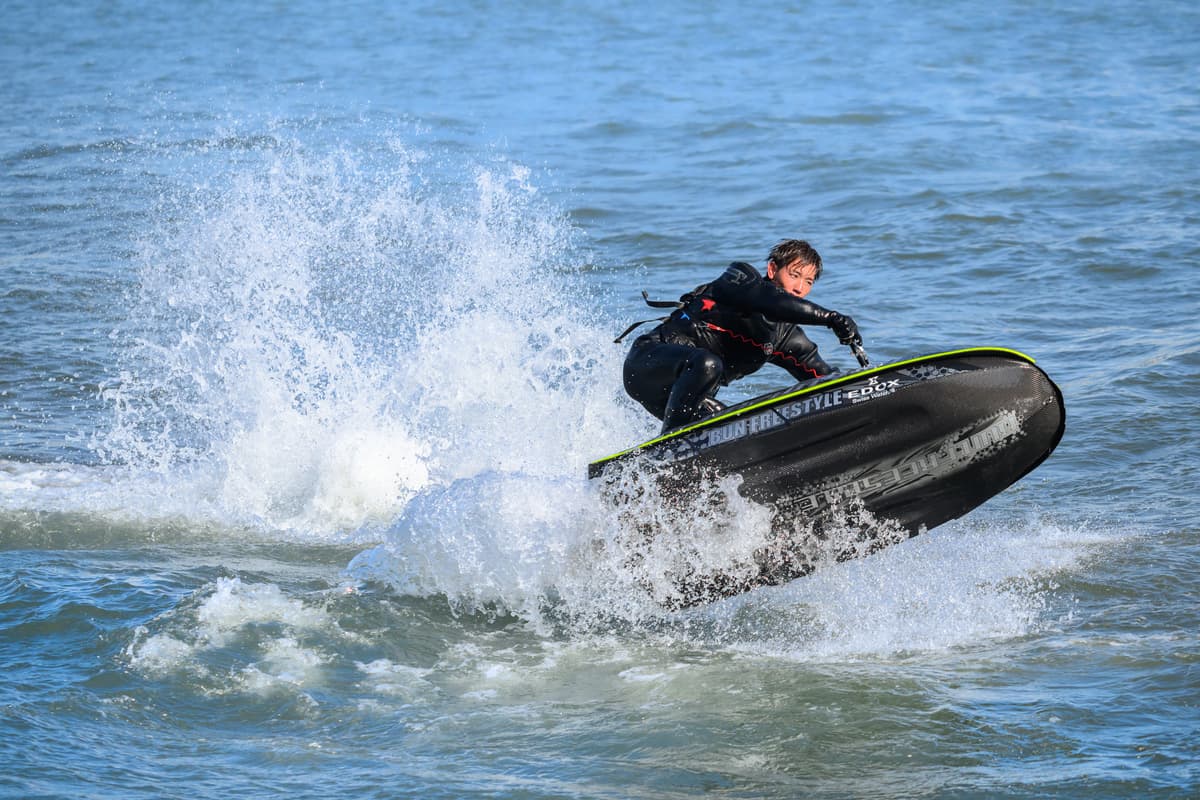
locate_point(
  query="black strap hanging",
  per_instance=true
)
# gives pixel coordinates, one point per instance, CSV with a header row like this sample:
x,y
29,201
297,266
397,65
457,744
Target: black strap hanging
x,y
672,304
634,327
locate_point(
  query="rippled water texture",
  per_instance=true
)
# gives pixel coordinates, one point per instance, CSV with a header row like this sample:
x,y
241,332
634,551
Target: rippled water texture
x,y
305,345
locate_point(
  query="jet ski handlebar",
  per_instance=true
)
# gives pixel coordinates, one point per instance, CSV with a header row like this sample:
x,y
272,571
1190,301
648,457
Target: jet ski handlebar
x,y
860,354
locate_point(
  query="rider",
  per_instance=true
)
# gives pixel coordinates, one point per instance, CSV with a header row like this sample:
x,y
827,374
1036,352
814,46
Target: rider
x,y
729,328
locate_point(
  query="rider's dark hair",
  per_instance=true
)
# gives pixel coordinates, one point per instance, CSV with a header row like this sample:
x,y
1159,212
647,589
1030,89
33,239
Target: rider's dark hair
x,y
789,250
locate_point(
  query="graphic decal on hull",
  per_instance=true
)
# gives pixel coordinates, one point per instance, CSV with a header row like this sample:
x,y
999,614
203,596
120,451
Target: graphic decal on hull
x,y
941,459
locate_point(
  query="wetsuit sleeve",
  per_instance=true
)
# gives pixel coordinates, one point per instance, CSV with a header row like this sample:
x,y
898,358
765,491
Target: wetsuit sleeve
x,y
742,287
798,355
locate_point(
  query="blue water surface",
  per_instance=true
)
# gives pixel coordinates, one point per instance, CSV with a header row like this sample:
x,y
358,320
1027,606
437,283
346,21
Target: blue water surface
x,y
305,344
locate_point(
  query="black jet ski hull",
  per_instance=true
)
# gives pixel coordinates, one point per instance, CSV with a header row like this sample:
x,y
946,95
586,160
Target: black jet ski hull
x,y
916,443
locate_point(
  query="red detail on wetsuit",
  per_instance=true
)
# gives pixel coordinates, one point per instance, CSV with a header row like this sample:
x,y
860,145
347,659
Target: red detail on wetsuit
x,y
747,340
707,305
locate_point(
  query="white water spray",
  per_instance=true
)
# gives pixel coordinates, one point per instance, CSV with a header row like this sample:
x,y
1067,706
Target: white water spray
x,y
324,338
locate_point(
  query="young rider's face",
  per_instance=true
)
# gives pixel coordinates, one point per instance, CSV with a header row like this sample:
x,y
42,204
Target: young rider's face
x,y
796,278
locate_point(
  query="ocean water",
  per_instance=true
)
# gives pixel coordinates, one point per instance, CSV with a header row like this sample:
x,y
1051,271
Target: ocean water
x,y
305,344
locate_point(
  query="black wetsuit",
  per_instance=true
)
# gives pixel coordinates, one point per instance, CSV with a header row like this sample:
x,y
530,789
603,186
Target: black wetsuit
x,y
723,331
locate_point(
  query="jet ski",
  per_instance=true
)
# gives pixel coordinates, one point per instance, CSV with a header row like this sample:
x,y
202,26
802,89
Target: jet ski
x,y
916,443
